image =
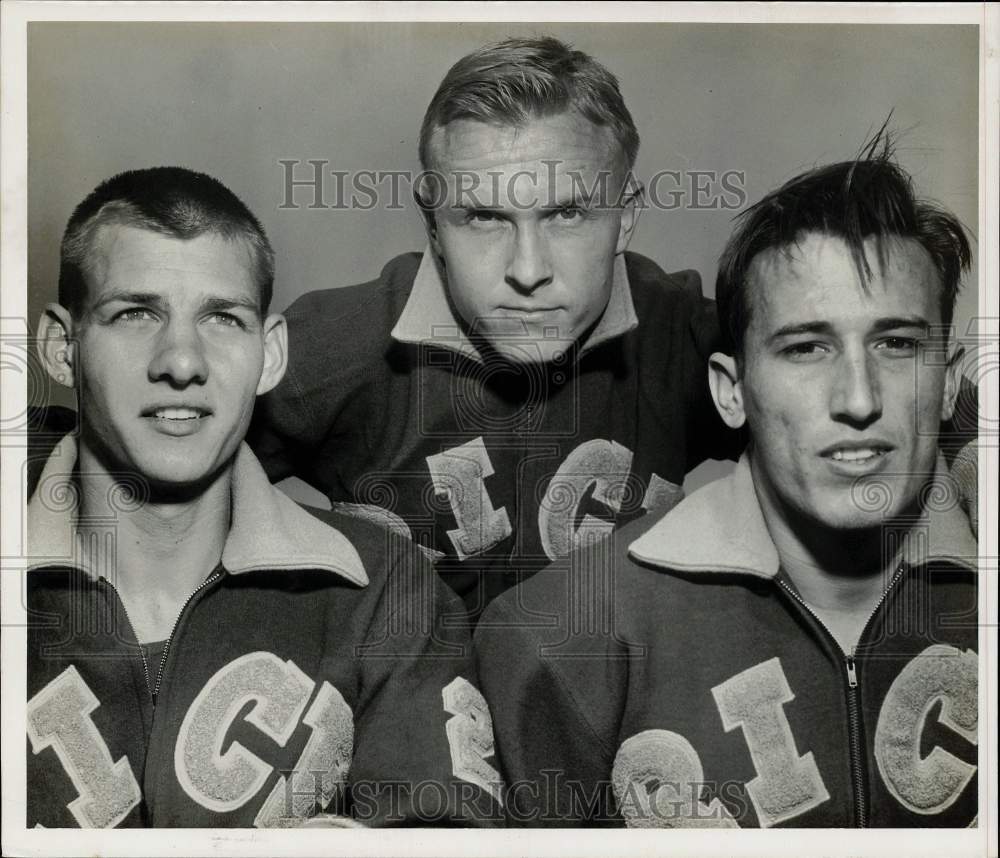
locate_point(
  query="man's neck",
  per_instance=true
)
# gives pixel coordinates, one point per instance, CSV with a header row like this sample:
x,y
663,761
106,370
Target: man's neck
x,y
840,576
164,547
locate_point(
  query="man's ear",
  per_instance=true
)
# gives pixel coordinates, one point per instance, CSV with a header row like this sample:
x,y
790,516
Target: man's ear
x,y
427,211
275,353
430,224
952,381
56,346
727,389
632,192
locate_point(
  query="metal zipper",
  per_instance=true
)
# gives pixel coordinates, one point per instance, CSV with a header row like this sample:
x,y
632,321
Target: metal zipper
x,y
852,675
892,583
854,729
154,688
131,626
853,708
166,645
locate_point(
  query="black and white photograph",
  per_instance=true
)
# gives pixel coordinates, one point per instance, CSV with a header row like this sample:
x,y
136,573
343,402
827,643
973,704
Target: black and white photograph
x,y
460,425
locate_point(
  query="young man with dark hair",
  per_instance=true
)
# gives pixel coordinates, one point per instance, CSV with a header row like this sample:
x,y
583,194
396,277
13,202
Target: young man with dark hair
x,y
795,644
202,652
525,377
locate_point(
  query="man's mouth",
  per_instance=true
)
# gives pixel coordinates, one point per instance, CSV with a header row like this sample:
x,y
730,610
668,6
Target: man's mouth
x,y
858,454
176,413
527,308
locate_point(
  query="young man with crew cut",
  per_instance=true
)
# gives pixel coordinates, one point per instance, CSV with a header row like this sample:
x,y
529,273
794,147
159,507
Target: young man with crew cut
x,y
203,652
795,644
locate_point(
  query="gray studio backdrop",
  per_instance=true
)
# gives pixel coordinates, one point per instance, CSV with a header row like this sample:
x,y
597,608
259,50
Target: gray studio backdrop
x,y
233,100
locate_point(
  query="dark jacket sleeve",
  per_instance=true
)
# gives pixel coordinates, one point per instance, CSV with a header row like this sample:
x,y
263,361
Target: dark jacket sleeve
x,y
423,750
334,394
556,695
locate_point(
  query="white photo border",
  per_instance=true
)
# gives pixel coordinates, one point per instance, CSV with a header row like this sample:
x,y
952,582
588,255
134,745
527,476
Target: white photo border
x,y
224,842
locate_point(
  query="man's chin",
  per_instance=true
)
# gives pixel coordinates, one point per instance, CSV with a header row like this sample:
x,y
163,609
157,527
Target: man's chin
x,y
179,480
857,525
531,350
854,522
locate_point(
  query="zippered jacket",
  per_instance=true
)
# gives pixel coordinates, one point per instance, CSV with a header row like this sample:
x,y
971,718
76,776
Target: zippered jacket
x,y
670,676
313,671
391,411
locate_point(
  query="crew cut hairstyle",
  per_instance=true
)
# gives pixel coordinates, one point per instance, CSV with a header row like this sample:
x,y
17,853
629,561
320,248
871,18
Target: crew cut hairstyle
x,y
520,79
869,197
172,201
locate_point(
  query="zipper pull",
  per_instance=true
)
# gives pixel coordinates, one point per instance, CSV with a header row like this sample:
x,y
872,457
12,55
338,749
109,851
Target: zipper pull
x,y
852,675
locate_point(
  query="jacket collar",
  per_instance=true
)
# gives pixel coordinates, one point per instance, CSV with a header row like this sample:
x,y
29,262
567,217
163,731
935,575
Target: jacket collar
x,y
720,528
268,530
427,316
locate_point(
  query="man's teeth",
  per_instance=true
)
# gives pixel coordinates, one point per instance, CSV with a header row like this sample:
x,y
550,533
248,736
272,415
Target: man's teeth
x,y
178,414
857,455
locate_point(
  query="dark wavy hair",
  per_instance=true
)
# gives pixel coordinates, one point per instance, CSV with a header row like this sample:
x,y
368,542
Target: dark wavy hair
x,y
173,201
869,197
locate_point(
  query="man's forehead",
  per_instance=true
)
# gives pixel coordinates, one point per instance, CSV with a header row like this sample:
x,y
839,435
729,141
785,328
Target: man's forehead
x,y
545,163
127,255
568,138
819,273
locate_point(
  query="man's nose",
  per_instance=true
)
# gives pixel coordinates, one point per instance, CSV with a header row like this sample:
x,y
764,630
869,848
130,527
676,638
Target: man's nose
x,y
856,397
529,266
180,356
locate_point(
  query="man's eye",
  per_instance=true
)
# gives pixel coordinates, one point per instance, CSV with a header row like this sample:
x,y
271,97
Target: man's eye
x,y
569,214
804,351
483,217
226,319
898,345
133,315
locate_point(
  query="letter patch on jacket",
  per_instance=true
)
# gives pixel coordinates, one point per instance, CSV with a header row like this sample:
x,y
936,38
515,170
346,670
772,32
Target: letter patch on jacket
x,y
459,475
605,465
786,785
928,784
657,778
470,736
59,717
225,781
321,769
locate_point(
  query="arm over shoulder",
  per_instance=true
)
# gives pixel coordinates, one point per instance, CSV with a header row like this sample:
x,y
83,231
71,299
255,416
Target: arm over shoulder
x,y
556,689
338,340
424,749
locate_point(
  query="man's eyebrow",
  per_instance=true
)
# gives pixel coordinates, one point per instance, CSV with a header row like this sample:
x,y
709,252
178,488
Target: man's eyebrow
x,y
892,322
217,304
815,327
574,198
127,297
475,206
152,298
887,323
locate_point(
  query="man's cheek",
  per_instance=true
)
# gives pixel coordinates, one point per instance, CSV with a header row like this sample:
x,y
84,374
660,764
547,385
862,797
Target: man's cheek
x,y
930,406
471,295
100,394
